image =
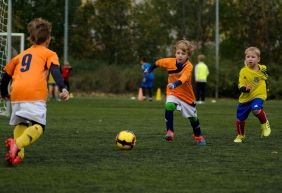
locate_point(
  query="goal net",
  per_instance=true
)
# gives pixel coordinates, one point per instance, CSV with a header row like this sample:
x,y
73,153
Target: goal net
x,y
3,48
3,28
16,45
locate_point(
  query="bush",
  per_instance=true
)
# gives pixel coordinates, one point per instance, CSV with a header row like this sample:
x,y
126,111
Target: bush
x,y
100,77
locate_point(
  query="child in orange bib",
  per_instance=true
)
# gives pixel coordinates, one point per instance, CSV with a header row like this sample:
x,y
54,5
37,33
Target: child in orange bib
x,y
28,72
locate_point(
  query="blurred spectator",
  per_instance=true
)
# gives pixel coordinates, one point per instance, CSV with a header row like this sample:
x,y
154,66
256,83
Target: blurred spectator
x,y
147,81
66,73
201,75
53,88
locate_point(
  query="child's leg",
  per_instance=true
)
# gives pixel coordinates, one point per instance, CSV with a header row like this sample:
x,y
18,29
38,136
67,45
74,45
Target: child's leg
x,y
240,127
264,123
30,135
195,123
169,108
257,109
243,111
18,131
198,91
144,91
260,114
150,93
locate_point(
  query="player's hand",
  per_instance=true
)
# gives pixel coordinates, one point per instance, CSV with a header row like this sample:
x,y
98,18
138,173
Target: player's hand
x,y
248,88
64,95
171,85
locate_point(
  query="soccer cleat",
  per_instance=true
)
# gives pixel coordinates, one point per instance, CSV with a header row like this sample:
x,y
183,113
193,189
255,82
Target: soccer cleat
x,y
12,152
265,129
200,140
240,139
18,160
169,135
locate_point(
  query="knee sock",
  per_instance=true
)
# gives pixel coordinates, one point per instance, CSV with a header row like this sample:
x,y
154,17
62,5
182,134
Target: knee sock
x,y
30,135
18,131
195,123
169,120
261,116
240,127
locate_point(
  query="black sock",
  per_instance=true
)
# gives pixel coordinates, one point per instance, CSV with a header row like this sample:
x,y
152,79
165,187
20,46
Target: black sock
x,y
195,123
169,120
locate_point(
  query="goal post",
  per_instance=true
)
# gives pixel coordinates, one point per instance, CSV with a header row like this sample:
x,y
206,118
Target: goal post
x,y
5,46
19,35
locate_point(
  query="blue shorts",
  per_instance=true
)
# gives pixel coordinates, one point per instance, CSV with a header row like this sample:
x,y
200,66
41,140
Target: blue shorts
x,y
244,109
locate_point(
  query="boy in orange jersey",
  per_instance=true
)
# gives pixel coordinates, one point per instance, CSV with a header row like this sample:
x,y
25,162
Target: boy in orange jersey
x,y
180,95
29,92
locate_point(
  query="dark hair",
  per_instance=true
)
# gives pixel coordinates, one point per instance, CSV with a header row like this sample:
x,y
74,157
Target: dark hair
x,y
143,58
39,30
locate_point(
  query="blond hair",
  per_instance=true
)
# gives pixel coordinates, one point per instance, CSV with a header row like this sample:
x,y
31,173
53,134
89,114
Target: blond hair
x,y
185,46
39,30
254,50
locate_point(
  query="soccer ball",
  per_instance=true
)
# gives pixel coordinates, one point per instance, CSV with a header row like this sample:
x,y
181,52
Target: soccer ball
x,y
125,140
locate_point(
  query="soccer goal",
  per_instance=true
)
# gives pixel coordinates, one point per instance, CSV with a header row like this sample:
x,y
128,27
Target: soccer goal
x,y
10,45
3,48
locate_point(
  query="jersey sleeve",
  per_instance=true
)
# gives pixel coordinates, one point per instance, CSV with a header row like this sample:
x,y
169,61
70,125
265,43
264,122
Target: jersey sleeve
x,y
162,63
242,81
52,59
10,67
263,69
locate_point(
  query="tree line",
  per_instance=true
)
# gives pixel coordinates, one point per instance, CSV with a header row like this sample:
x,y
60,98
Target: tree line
x,y
118,32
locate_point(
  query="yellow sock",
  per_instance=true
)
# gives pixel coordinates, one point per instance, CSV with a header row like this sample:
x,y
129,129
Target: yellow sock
x,y
18,131
30,135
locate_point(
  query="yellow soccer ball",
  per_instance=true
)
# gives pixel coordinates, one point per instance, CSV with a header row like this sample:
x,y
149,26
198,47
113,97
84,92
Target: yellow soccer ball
x,y
125,140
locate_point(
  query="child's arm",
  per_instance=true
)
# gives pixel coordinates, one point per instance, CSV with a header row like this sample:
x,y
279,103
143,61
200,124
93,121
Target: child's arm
x,y
149,70
174,84
7,77
245,89
56,73
243,85
4,85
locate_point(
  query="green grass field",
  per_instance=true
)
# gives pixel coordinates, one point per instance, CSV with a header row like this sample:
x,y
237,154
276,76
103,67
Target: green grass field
x,y
77,152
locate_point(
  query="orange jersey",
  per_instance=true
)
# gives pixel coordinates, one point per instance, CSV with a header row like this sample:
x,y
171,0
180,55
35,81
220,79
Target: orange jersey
x,y
185,90
29,72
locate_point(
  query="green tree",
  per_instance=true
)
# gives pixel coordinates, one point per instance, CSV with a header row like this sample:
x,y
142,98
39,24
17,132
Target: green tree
x,y
111,30
82,42
52,10
150,30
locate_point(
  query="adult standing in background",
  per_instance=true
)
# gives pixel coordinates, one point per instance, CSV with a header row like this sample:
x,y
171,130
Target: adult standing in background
x,y
201,75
